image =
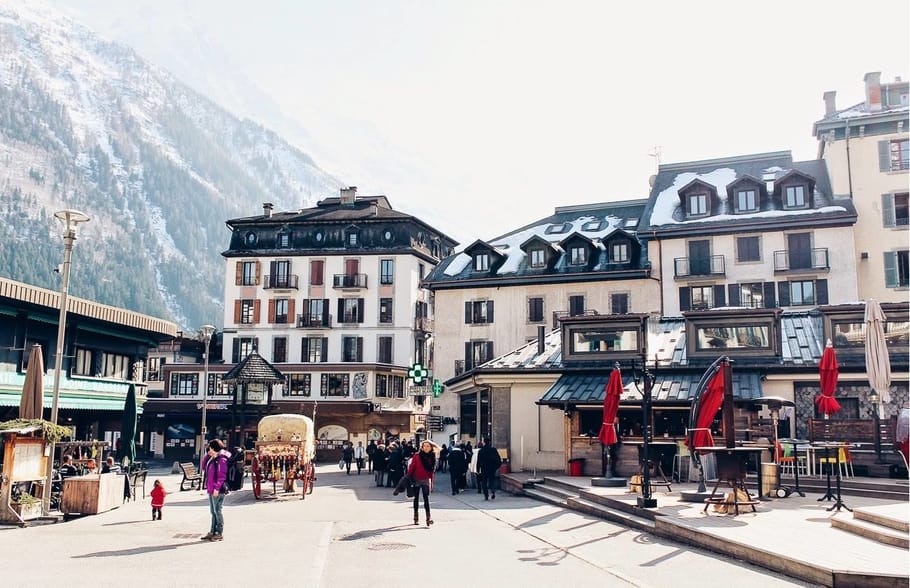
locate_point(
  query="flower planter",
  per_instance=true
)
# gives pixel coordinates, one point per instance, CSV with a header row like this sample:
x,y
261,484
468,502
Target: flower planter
x,y
27,510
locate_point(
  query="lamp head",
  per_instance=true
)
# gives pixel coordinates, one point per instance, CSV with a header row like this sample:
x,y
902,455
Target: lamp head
x,y
873,397
71,218
207,331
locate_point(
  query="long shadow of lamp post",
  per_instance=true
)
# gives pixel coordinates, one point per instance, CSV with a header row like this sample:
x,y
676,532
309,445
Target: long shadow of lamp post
x,y
71,219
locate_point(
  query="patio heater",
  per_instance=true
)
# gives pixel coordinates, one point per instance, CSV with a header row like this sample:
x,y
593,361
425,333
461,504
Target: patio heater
x,y
875,399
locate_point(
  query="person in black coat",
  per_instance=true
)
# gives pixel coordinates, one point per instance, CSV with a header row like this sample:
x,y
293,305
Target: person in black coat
x,y
394,466
347,454
458,467
488,462
379,464
443,458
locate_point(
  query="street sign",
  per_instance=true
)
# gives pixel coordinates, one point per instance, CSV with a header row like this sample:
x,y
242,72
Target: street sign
x,y
418,374
437,388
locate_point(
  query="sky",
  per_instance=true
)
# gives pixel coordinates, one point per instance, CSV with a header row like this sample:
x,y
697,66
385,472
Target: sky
x,y
481,116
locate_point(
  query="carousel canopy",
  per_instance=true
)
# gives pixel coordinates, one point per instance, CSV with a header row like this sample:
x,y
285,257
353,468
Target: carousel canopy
x,y
253,369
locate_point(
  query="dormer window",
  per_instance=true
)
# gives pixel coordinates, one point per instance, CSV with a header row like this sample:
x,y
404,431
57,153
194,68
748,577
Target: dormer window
x,y
352,238
578,255
697,205
619,252
746,201
482,262
795,197
537,258
284,240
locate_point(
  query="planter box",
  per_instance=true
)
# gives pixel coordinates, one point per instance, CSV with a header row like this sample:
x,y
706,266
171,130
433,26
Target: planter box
x,y
27,510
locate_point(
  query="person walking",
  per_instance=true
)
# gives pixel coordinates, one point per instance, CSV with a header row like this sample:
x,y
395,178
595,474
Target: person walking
x,y
348,456
371,449
360,455
158,493
458,465
422,470
214,468
472,467
394,466
443,458
488,462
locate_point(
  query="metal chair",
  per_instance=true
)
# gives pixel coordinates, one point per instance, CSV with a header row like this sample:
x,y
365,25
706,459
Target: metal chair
x,y
683,457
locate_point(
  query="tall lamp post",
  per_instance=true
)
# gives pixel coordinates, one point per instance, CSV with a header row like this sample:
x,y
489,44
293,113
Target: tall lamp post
x,y
207,331
71,219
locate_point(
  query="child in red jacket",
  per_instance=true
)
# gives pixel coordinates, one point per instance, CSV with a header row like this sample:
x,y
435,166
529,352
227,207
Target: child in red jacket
x,y
158,494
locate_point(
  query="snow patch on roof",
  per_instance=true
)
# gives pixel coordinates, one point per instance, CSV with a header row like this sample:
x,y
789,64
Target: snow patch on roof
x,y
668,200
461,261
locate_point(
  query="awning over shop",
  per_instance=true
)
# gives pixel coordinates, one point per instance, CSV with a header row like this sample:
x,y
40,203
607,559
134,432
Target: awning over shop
x,y
588,389
69,402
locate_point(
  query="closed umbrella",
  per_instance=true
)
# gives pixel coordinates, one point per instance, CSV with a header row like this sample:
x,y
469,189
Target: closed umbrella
x,y
612,393
827,373
878,364
31,405
706,410
128,426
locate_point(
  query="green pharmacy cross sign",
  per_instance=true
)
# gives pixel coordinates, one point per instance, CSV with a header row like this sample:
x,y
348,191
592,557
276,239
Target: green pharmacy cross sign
x,y
418,374
437,388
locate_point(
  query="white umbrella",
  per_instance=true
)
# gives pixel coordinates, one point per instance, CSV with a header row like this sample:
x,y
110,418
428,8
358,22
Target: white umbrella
x,y
878,365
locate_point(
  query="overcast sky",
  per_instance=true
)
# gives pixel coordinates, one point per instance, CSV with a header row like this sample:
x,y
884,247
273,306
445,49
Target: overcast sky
x,y
481,116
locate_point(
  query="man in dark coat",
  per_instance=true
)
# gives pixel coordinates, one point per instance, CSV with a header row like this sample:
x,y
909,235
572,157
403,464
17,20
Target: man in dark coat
x,y
458,467
488,462
394,466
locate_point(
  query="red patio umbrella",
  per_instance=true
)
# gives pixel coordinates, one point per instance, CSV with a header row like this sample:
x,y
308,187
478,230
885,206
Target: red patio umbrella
x,y
708,405
827,369
612,392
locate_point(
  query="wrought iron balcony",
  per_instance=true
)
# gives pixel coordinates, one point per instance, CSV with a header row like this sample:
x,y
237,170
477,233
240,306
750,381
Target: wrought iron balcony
x,y
712,265
314,321
801,260
349,281
281,282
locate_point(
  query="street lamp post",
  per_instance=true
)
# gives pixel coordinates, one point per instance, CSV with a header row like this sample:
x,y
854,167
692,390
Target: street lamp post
x,y
71,219
207,331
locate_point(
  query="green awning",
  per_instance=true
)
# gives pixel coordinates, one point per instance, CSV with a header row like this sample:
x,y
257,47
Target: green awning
x,y
8,398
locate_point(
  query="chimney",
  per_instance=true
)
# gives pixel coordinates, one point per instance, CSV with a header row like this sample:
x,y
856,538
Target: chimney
x,y
267,209
348,195
830,107
540,339
873,91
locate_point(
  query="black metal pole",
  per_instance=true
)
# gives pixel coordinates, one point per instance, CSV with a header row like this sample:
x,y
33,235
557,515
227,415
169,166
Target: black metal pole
x,y
878,434
645,501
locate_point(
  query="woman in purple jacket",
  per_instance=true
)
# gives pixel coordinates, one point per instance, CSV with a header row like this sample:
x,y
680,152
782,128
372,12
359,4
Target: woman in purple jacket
x,y
214,468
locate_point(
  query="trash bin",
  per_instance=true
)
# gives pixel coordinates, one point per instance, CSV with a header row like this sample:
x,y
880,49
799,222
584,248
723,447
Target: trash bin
x,y
576,466
505,468
769,478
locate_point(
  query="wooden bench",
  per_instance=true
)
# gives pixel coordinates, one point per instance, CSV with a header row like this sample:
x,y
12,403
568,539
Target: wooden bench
x,y
854,431
137,479
192,479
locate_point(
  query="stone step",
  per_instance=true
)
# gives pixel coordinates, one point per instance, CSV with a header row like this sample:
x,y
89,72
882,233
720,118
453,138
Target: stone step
x,y
558,491
879,518
537,494
557,483
618,505
617,516
872,531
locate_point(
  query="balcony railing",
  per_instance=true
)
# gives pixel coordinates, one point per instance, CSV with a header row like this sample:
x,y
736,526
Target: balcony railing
x,y
349,281
811,260
424,324
280,281
314,321
699,266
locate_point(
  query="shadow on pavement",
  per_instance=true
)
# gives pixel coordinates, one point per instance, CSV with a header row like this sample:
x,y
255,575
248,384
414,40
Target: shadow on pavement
x,y
369,533
137,550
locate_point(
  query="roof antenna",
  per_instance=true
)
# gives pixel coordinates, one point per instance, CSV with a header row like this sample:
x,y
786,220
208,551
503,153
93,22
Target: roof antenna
x,y
656,155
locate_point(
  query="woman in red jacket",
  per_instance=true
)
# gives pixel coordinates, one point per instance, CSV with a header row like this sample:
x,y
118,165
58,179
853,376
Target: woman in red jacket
x,y
421,470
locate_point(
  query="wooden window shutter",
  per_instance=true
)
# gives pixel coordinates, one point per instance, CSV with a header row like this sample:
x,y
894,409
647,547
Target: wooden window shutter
x,y
489,311
888,218
304,350
257,272
360,310
271,311
341,310
292,318
720,296
238,278
468,356
733,294
237,304
685,299
468,314
324,352
257,304
235,351
783,293
891,275
256,344
821,291
489,350
360,349
770,299
884,156
325,312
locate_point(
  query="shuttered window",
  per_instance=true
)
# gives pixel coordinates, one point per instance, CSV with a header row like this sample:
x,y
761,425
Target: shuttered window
x,y
535,310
